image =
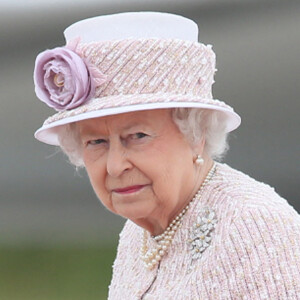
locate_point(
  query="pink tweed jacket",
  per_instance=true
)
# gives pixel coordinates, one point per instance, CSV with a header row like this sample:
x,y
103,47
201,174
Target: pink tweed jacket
x,y
253,253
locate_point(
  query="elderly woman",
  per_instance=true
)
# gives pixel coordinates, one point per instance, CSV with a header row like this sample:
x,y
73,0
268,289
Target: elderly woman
x,y
134,102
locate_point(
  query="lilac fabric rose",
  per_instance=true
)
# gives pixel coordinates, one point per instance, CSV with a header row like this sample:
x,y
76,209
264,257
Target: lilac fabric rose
x,y
63,80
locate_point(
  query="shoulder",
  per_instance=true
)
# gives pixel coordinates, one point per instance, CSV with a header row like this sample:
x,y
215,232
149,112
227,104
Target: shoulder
x,y
267,226
239,184
247,193
239,199
258,219
256,207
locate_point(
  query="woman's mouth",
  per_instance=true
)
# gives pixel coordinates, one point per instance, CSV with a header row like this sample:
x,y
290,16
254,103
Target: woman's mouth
x,y
129,189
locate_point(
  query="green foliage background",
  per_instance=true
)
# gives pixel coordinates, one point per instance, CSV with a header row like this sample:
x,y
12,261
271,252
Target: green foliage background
x,y
55,273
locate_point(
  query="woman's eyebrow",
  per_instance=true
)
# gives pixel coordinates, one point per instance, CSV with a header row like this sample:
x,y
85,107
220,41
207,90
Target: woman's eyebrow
x,y
92,131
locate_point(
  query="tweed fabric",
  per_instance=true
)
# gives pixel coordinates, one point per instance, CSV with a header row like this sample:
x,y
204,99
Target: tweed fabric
x,y
254,253
146,66
148,71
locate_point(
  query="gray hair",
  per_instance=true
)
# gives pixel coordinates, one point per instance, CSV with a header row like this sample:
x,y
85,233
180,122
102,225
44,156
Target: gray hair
x,y
192,122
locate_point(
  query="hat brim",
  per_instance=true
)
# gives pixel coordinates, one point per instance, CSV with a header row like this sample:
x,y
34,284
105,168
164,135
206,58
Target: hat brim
x,y
102,107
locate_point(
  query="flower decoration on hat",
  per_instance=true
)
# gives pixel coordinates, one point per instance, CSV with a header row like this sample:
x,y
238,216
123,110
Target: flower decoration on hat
x,y
63,79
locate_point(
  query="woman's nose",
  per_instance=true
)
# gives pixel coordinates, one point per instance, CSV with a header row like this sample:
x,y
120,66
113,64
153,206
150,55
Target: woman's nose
x,y
117,160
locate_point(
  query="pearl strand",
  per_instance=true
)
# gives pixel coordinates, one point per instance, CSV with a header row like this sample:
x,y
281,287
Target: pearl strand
x,y
153,257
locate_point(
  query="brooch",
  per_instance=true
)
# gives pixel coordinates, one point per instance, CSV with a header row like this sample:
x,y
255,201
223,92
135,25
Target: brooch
x,y
201,233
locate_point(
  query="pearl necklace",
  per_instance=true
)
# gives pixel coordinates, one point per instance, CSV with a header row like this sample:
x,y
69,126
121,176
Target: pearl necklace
x,y
153,257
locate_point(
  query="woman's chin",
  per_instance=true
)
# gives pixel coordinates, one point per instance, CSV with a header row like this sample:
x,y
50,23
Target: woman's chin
x,y
132,212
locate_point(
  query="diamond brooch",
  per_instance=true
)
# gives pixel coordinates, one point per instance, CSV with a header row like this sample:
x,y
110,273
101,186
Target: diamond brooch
x,y
201,233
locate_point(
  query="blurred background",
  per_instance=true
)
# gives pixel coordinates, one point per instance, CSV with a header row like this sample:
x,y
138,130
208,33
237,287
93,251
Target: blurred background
x,y
56,239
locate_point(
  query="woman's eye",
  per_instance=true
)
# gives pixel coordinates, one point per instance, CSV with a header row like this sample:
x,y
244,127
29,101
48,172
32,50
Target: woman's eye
x,y
139,135
96,142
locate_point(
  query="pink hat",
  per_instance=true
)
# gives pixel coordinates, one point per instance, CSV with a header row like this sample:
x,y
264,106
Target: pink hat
x,y
126,62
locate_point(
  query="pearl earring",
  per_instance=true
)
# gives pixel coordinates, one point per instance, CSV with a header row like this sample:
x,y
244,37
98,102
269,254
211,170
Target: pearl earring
x,y
199,160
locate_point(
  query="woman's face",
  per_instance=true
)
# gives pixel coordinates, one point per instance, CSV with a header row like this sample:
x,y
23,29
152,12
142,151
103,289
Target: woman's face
x,y
139,163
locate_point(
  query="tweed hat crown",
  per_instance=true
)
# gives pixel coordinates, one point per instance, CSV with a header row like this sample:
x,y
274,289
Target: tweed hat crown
x,y
126,62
